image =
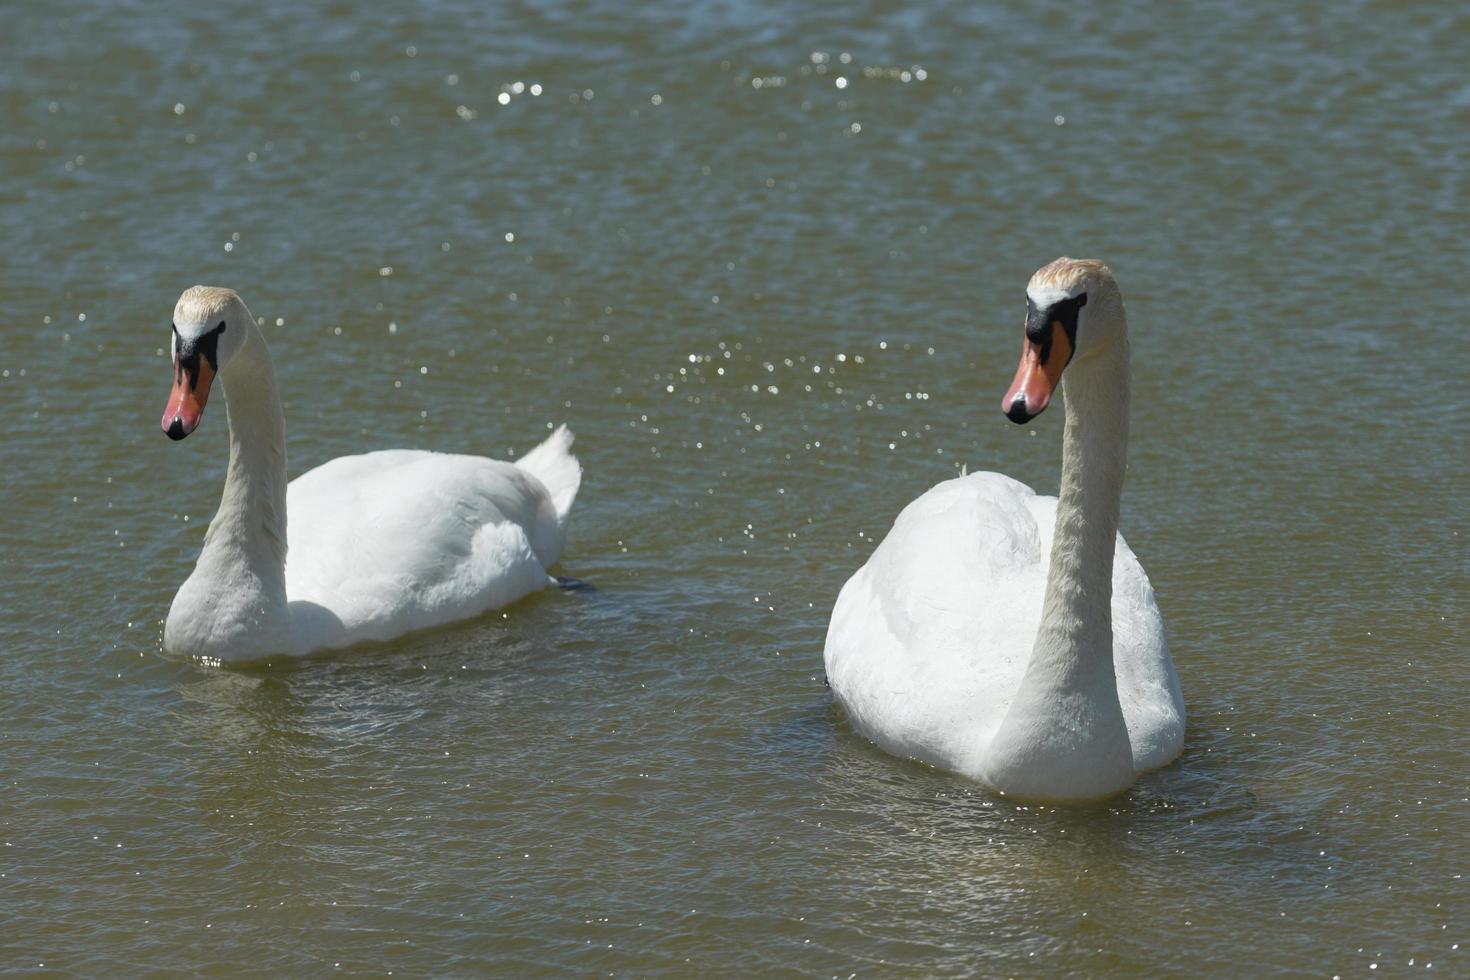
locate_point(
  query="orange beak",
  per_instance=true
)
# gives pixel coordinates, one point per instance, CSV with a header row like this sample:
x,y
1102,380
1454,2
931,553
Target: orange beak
x,y
192,379
1038,376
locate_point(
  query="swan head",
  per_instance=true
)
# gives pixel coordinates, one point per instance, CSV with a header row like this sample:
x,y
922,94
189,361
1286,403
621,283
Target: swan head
x,y
1070,306
210,325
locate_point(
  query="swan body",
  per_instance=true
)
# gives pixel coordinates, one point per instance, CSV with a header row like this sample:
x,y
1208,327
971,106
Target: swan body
x,y
360,548
927,671
1010,637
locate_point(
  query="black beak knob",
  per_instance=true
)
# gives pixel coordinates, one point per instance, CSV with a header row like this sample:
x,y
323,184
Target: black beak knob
x,y
1016,413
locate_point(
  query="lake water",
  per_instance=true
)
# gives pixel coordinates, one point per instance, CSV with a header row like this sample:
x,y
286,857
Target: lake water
x,y
768,262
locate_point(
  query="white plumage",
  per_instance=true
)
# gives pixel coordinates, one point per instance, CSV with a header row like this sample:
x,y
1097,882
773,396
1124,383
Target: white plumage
x,y
929,640
400,540
1014,638
361,548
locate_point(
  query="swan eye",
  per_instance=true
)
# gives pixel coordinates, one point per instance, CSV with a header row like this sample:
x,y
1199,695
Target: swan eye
x,y
1064,313
221,327
206,344
209,345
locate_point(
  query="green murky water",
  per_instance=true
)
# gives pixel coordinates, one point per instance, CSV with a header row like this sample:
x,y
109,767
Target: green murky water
x,y
768,262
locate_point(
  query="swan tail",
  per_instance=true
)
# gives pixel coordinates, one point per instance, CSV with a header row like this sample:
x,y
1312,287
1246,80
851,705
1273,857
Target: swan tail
x,y
554,465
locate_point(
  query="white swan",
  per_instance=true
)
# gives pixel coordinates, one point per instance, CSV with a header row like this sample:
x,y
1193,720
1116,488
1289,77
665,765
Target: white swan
x,y
962,644
378,544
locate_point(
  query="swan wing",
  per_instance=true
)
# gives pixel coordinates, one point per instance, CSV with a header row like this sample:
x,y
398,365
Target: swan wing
x,y
1148,685
388,542
929,639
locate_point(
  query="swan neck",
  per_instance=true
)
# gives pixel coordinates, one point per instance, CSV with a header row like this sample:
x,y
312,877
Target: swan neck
x,y
250,526
1064,736
1076,619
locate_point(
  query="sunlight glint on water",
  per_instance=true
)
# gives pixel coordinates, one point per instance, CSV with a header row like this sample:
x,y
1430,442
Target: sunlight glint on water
x,y
769,265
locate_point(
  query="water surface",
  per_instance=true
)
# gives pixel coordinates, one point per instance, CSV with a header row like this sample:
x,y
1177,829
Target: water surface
x,y
768,263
